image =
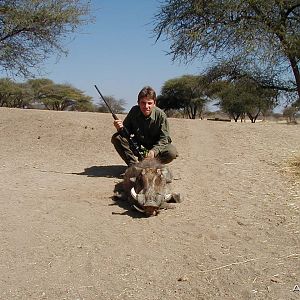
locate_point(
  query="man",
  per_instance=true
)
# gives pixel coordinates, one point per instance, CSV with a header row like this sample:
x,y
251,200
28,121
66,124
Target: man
x,y
150,127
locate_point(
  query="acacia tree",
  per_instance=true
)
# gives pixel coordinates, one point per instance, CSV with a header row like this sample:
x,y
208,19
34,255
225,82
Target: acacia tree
x,y
32,30
117,106
59,96
229,99
187,92
22,96
36,85
244,96
290,114
14,94
6,91
262,36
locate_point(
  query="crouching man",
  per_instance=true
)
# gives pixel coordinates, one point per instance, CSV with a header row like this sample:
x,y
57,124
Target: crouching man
x,y
150,127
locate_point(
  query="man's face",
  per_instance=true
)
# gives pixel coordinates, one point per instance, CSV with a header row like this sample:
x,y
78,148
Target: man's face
x,y
146,106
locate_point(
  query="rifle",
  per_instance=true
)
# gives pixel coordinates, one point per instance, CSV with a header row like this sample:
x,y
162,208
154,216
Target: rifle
x,y
138,150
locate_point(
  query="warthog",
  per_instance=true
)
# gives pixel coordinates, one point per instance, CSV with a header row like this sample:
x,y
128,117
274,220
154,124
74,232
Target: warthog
x,y
147,184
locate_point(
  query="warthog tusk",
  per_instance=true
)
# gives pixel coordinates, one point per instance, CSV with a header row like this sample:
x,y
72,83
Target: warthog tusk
x,y
138,209
133,193
168,197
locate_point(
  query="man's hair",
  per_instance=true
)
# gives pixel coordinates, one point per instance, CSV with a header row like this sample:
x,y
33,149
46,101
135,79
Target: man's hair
x,y
147,92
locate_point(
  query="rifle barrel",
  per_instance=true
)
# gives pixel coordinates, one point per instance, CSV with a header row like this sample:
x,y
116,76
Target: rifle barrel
x,y
108,106
123,131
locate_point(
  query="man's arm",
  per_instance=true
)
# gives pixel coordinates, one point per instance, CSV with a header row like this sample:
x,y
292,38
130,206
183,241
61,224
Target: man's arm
x,y
164,137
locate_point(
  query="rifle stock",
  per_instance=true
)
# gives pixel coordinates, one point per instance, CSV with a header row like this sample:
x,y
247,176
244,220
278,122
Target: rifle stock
x,y
138,150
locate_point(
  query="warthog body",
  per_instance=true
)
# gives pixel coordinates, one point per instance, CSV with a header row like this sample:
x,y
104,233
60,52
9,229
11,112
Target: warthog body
x,y
147,184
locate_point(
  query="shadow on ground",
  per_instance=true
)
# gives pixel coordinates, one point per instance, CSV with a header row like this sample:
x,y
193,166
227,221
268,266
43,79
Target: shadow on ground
x,y
114,171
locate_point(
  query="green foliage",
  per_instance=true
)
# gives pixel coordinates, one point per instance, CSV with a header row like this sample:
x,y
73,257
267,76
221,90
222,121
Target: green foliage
x,y
244,96
33,30
261,36
59,96
6,91
187,93
230,100
43,91
290,114
14,94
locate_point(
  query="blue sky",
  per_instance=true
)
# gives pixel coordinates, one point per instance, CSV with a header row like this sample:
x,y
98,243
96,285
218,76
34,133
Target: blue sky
x,y
118,53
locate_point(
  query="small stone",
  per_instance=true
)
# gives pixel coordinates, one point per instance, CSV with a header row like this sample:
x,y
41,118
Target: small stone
x,y
275,279
183,278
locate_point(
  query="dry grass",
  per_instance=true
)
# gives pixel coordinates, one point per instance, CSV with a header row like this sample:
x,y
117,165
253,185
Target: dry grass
x,y
294,167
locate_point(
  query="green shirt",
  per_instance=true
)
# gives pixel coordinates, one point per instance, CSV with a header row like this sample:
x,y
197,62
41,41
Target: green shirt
x,y
152,132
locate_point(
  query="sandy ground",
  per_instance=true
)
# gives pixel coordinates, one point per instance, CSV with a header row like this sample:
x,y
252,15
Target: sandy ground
x,y
236,235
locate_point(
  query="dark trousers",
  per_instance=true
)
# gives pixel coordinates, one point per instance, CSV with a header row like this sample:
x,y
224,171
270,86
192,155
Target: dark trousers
x,y
121,144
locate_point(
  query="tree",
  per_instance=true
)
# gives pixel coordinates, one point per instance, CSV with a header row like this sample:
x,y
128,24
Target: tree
x,y
6,91
32,30
14,94
117,106
244,96
59,96
230,100
36,86
187,93
22,96
261,36
290,114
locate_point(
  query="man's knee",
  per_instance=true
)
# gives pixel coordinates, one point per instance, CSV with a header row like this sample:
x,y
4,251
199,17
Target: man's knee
x,y
172,151
169,154
116,139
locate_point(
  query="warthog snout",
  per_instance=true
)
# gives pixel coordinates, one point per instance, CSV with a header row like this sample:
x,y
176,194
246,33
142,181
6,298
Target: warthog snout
x,y
149,206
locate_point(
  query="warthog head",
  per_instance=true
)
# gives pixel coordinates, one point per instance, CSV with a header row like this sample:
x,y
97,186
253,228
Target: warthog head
x,y
148,186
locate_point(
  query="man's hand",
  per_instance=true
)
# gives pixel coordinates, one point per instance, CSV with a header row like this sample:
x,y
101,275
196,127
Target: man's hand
x,y
150,154
118,124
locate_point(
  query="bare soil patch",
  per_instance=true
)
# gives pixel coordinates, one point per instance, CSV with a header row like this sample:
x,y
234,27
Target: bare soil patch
x,y
236,235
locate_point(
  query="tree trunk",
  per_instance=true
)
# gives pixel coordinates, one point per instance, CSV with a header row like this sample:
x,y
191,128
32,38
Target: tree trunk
x,y
296,72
